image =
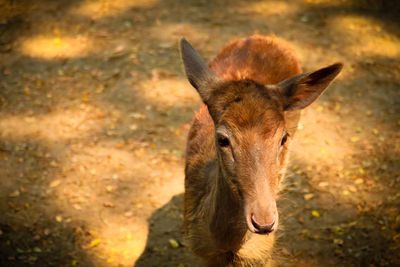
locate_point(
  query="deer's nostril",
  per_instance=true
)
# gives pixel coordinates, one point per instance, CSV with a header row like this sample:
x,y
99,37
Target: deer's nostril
x,y
262,229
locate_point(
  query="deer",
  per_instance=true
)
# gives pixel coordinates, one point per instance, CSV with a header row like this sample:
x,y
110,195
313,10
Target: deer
x,y
252,91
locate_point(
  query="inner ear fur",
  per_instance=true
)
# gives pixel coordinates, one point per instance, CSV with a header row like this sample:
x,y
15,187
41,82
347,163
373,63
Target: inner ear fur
x,y
301,90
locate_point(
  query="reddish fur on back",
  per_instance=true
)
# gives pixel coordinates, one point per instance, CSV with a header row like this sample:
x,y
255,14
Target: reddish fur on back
x,y
263,59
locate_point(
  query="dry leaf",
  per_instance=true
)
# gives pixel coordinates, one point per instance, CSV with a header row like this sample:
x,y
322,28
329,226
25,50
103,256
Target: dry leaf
x,y
95,242
359,181
55,183
173,243
14,194
59,218
315,213
308,196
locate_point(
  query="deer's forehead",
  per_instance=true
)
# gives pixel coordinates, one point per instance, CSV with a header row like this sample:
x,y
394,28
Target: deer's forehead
x,y
257,119
235,91
246,106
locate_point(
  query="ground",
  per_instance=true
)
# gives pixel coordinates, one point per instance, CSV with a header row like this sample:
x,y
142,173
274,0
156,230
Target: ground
x,y
95,109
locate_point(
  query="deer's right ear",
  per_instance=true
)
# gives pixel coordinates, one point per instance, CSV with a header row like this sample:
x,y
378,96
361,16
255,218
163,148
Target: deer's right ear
x,y
197,71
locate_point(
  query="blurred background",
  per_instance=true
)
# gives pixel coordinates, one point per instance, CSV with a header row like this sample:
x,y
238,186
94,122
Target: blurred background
x,y
95,109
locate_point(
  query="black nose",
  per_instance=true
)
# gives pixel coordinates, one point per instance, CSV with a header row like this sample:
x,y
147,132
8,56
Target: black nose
x,y
262,229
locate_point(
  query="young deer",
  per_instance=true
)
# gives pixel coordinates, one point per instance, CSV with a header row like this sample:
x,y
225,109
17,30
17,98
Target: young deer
x,y
238,145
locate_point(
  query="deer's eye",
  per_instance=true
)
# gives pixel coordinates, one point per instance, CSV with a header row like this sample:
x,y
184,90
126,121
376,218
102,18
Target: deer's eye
x,y
223,141
284,138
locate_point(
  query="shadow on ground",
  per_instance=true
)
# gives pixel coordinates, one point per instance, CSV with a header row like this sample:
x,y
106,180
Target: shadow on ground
x,y
166,224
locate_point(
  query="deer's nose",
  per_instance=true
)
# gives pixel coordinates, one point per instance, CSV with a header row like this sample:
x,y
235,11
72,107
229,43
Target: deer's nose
x,y
262,229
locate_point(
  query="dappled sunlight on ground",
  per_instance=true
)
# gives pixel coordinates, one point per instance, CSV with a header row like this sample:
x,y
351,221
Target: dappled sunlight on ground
x,y
56,126
49,47
268,8
169,91
168,34
365,36
95,109
105,8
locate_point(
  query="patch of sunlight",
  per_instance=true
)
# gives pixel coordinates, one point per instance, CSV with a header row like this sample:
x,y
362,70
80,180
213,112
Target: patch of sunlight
x,y
97,9
114,191
318,141
267,8
365,36
49,47
122,243
171,32
170,91
55,126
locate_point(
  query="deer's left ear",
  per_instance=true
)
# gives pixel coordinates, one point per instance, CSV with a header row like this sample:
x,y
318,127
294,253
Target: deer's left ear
x,y
301,90
197,71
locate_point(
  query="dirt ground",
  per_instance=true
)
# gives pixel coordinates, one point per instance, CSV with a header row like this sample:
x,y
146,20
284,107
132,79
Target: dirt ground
x,y
95,109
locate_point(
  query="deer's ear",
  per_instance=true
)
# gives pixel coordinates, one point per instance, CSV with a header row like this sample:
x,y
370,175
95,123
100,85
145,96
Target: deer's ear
x,y
197,71
300,91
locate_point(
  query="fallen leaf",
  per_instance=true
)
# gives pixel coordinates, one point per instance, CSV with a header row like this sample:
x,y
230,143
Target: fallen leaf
x,y
359,181
55,183
95,242
323,184
109,188
110,260
108,205
14,194
315,214
59,218
396,237
53,163
337,106
100,115
338,241
355,139
308,196
77,206
352,188
173,243
128,214
119,146
137,115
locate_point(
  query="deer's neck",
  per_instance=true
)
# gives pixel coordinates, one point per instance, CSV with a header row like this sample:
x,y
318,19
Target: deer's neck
x,y
226,218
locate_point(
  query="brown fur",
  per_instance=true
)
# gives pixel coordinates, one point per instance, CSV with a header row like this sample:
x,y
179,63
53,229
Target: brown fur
x,y
220,191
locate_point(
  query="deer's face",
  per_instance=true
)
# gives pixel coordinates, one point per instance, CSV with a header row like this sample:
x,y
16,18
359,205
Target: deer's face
x,y
251,139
